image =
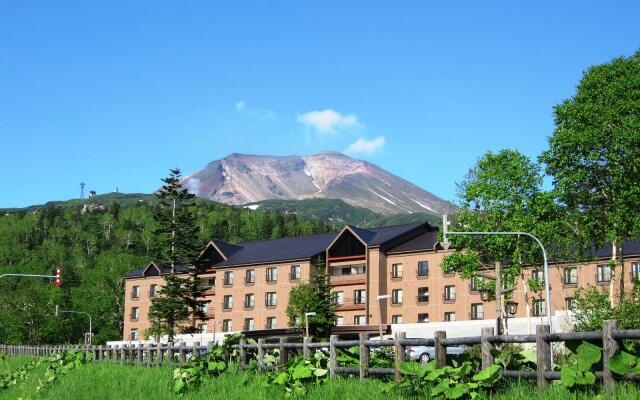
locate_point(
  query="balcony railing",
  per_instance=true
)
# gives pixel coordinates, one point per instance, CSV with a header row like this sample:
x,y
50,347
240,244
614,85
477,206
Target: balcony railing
x,y
422,298
210,291
477,315
352,279
353,304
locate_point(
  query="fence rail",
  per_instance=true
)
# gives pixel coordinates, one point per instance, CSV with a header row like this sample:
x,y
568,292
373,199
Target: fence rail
x,y
156,355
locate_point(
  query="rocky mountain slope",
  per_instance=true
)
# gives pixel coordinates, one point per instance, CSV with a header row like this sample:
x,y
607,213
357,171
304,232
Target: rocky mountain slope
x,y
241,179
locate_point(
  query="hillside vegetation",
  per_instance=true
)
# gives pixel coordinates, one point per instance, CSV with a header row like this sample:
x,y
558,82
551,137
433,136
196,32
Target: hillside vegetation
x,y
95,246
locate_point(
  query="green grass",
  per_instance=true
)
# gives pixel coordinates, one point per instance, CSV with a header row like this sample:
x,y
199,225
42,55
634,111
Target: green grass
x,y
110,382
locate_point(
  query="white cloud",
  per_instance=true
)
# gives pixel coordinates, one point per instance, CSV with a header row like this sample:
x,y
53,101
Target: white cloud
x,y
327,121
255,113
363,146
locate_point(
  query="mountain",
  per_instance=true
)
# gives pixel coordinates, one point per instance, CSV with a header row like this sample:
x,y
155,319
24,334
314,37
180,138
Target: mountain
x,y
242,179
336,213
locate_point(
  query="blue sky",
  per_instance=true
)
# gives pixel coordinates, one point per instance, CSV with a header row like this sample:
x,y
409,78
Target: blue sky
x,y
116,93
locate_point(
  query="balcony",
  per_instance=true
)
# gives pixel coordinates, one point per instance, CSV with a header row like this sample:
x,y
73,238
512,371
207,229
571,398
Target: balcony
x,y
210,291
209,313
354,279
351,304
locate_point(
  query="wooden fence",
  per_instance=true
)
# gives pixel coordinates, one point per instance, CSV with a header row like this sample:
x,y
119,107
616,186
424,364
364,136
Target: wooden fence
x,y
156,355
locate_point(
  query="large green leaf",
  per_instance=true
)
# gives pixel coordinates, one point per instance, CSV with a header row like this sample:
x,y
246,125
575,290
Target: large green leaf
x,y
623,363
281,378
413,368
587,355
301,371
456,391
568,375
488,374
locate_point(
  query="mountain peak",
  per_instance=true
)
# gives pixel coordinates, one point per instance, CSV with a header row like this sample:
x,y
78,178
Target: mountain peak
x,y
246,178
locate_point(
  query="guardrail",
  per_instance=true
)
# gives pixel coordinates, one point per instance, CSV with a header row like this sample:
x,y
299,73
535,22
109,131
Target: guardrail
x,y
156,355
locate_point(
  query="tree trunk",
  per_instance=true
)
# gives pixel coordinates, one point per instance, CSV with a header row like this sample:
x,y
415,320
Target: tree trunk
x,y
622,294
614,256
525,287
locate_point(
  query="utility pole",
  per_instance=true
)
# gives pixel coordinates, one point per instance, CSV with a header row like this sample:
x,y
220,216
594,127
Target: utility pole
x,y
499,295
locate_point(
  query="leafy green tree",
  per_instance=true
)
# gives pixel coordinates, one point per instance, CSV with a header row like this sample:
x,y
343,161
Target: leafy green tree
x,y
594,155
592,306
314,296
503,193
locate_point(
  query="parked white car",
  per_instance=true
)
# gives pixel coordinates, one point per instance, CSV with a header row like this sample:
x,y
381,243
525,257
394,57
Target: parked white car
x,y
428,353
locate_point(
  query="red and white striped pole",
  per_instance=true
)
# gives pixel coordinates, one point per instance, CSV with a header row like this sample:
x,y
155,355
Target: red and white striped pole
x,y
58,282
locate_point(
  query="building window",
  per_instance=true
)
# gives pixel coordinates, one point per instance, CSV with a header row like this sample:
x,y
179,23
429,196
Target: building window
x,y
569,303
248,324
228,278
359,320
203,308
477,311
423,317
270,299
571,276
250,276
423,295
271,322
635,271
226,325
476,283
249,300
359,296
133,335
272,274
296,273
450,293
135,292
349,269
539,308
339,320
396,319
423,268
202,328
338,297
396,296
538,275
227,302
153,291
450,316
135,313
604,273
396,271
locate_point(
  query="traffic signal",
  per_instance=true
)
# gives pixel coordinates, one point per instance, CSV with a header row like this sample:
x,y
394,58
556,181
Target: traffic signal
x,y
58,282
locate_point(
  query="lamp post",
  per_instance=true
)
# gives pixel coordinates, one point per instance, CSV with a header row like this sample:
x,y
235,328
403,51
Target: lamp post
x,y
306,321
56,276
446,232
78,312
380,298
215,322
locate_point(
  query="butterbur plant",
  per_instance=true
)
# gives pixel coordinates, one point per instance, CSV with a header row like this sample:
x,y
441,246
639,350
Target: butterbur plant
x,y
624,363
299,373
579,372
193,373
445,383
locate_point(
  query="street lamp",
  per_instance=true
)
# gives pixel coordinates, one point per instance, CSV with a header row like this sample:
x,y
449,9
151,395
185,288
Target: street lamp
x,y
306,321
380,298
56,276
78,312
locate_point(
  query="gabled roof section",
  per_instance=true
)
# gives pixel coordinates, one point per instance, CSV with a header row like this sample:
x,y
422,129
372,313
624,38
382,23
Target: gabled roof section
x,y
151,270
159,270
364,234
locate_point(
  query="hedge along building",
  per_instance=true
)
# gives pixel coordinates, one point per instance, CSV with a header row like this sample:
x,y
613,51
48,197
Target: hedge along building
x,y
247,284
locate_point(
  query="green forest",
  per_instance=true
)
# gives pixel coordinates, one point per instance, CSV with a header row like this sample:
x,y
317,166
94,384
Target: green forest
x,y
96,243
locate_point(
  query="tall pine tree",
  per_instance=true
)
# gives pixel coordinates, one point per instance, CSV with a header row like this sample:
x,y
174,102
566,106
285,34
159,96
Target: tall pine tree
x,y
180,300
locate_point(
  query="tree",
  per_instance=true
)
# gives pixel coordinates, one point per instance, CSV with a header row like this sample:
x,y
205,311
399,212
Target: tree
x,y
503,193
177,231
594,155
314,296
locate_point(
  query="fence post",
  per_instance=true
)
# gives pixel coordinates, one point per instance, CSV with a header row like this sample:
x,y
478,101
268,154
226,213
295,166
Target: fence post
x,y
261,353
182,357
610,346
170,352
306,351
543,349
242,353
440,349
284,356
486,347
364,356
333,356
140,353
399,349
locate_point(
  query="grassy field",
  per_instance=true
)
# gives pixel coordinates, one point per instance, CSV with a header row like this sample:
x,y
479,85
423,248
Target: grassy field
x,y
110,382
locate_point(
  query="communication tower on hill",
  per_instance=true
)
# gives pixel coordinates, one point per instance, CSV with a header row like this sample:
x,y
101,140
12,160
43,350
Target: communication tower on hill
x,y
81,190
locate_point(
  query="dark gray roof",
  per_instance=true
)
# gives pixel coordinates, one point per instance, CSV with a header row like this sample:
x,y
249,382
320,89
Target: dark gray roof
x,y
425,241
293,248
181,268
